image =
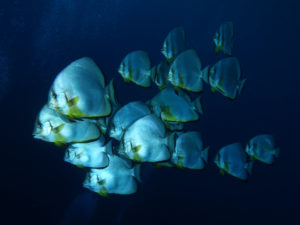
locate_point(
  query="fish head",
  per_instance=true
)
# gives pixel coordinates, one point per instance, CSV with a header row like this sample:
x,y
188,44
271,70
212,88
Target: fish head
x,y
58,101
42,130
90,181
70,154
76,155
115,132
48,125
38,129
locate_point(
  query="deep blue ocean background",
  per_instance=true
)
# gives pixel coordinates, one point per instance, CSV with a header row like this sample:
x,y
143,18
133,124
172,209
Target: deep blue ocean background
x,y
39,38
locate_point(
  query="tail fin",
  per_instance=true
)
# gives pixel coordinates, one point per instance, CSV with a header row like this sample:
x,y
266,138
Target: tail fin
x,y
110,90
101,123
109,148
204,74
153,73
241,86
198,105
137,172
204,154
171,142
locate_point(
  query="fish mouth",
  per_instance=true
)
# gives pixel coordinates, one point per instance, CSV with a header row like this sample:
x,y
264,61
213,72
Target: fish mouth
x,y
36,135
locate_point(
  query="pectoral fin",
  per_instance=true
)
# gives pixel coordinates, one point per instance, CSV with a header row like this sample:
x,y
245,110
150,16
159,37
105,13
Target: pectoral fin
x,y
58,129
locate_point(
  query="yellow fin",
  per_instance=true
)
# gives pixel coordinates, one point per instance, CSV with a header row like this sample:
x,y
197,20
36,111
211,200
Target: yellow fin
x,y
75,112
137,158
58,128
103,192
157,165
59,140
167,115
126,80
226,166
222,172
181,81
80,166
101,182
59,144
136,149
180,162
73,101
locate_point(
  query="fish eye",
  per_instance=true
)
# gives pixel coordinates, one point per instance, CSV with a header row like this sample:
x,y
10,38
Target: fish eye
x,y
38,123
54,95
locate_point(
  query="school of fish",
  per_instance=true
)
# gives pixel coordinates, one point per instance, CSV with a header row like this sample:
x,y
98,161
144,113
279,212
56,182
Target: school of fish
x,y
82,115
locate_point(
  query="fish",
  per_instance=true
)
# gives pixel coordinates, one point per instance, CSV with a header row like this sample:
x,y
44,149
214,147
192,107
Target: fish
x,y
79,91
160,75
52,126
125,116
175,107
263,148
225,77
224,38
146,140
189,151
186,72
119,177
174,44
136,68
91,154
232,159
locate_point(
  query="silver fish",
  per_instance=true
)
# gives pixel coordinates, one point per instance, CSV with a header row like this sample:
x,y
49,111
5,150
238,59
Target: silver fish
x,y
119,177
232,159
189,152
174,44
223,38
79,91
136,67
263,148
52,126
173,107
225,77
146,140
186,71
91,154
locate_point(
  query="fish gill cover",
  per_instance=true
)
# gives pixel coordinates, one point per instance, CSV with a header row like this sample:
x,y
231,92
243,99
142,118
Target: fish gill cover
x,y
82,115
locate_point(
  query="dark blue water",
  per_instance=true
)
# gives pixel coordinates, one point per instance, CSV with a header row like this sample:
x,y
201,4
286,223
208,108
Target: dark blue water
x,y
39,38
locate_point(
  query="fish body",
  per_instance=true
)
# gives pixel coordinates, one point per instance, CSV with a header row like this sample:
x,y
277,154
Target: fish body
x,y
52,126
223,38
79,91
186,71
225,77
91,154
146,140
189,152
263,148
232,159
161,72
136,68
174,107
119,177
125,116
174,44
